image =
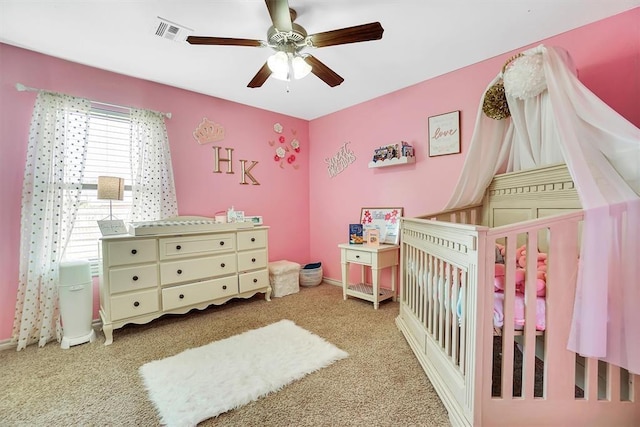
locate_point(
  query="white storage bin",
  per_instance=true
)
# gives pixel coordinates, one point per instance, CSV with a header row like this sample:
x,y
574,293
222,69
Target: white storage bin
x,y
310,276
283,278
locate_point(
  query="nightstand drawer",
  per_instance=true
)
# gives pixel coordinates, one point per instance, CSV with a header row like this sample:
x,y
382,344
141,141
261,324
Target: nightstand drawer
x,y
125,279
194,293
252,239
188,270
131,305
183,246
252,260
253,280
360,257
132,252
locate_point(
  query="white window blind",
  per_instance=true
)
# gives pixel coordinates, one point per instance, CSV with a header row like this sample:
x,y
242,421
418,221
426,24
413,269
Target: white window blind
x,y
108,153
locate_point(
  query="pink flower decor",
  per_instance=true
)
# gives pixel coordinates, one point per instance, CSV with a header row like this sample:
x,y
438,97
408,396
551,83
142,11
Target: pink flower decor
x,y
282,150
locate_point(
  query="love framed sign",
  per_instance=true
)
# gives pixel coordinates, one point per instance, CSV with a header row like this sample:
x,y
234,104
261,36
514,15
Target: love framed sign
x,y
444,134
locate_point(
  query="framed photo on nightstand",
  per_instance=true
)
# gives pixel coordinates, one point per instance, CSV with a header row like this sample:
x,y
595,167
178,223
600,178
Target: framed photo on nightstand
x,y
385,220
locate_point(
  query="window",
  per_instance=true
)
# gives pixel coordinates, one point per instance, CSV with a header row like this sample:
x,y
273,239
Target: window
x,y
108,153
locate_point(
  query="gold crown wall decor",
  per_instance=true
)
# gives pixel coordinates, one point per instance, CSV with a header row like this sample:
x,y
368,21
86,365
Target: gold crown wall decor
x,y
208,131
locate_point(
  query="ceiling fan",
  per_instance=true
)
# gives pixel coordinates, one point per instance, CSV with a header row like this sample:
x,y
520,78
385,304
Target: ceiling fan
x,y
289,39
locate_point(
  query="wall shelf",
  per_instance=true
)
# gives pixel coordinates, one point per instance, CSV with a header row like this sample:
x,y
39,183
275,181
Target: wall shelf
x,y
392,162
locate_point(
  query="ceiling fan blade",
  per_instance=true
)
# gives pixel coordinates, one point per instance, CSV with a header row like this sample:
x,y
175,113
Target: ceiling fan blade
x,y
325,73
261,77
223,41
280,15
358,33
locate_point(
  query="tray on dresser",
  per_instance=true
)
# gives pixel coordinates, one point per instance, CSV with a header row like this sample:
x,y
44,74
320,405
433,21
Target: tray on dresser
x,y
173,226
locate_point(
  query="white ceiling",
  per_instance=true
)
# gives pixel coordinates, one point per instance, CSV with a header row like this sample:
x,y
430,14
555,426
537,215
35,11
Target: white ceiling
x,y
422,39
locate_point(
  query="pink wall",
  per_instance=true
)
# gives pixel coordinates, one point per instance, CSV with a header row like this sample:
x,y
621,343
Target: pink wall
x,y
199,190
309,202
607,54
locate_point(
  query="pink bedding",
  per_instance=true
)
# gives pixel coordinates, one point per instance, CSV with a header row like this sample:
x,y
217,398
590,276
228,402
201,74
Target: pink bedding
x,y
519,311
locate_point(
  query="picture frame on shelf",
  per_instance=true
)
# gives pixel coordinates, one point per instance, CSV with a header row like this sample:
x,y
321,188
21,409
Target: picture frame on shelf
x,y
444,134
385,220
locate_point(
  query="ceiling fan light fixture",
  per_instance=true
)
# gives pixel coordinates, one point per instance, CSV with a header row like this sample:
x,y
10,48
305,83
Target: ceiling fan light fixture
x,y
278,63
300,67
284,65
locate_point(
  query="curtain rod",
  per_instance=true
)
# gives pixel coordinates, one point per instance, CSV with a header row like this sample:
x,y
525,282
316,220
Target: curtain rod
x,y
22,88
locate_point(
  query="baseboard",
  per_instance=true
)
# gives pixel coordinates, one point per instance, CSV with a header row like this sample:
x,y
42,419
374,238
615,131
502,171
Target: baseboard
x,y
332,281
8,345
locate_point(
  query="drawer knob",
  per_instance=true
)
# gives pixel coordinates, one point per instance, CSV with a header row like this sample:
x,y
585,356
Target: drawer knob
x,y
255,280
222,265
178,247
181,296
253,260
136,304
135,278
134,251
224,287
357,256
253,239
221,243
179,271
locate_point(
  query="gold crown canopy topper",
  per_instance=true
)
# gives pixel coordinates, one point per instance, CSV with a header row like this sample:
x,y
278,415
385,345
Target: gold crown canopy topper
x,y
208,131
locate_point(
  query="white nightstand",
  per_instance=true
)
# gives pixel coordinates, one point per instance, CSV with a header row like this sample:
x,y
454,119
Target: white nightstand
x,y
375,257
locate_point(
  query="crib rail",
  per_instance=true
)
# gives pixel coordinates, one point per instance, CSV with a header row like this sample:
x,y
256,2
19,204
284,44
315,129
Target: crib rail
x,y
468,215
446,312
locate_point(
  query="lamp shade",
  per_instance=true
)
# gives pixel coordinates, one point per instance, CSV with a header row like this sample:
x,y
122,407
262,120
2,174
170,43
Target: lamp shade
x,y
283,66
110,188
300,67
279,65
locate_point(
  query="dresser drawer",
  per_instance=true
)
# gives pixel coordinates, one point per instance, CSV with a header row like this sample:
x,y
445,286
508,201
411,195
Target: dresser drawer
x,y
360,257
252,239
131,252
183,246
252,260
136,304
200,292
253,280
124,279
189,270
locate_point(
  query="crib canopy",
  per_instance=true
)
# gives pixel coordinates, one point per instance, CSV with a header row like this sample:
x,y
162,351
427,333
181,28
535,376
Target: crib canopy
x,y
555,118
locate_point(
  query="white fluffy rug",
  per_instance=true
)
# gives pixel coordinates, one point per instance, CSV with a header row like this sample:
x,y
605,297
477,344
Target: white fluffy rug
x,y
204,382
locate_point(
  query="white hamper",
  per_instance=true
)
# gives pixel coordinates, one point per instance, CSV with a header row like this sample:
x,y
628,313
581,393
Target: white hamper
x,y
311,276
283,277
76,303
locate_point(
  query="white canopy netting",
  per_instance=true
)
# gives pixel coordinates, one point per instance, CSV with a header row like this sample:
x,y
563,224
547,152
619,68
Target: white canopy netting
x,y
554,118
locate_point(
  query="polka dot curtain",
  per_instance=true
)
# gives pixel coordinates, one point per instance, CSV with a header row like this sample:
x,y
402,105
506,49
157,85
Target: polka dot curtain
x,y
56,156
154,194
58,138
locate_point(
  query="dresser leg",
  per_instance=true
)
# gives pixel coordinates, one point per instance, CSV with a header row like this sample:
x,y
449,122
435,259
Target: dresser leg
x,y
108,333
267,294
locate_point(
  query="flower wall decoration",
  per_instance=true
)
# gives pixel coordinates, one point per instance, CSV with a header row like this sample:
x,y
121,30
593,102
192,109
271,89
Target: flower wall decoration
x,y
284,152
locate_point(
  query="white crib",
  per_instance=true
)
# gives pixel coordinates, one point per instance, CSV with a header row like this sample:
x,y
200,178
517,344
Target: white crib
x,y
505,376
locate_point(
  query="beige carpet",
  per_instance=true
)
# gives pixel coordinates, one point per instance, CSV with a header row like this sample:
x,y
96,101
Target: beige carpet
x,y
379,384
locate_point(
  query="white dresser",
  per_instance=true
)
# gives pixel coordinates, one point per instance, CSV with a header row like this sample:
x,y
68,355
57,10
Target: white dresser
x,y
144,277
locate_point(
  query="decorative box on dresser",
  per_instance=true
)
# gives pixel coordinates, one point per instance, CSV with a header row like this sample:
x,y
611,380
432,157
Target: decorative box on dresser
x,y
144,277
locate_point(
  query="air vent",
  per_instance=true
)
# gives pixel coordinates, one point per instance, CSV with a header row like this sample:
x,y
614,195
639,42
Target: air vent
x,y
170,30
